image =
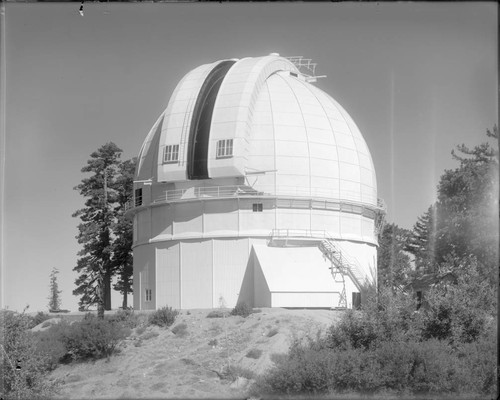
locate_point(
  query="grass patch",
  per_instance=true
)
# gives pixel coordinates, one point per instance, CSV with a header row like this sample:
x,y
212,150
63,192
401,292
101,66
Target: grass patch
x,y
217,314
233,372
149,335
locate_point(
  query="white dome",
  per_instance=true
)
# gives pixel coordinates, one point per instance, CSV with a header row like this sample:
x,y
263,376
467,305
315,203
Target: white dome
x,y
286,136
253,185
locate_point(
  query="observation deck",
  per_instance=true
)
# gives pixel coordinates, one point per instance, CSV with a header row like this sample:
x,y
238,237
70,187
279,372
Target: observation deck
x,y
285,197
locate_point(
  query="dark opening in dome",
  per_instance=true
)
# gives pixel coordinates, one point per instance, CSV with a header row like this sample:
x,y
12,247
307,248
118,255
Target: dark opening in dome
x,y
202,117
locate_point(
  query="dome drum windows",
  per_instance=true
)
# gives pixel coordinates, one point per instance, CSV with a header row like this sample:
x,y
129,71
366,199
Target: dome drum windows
x,y
225,148
171,154
257,207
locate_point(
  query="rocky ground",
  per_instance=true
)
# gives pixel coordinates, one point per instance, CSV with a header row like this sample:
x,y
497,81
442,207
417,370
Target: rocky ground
x,y
156,363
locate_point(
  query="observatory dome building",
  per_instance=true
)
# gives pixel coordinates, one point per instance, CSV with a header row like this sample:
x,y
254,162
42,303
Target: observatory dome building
x,y
253,185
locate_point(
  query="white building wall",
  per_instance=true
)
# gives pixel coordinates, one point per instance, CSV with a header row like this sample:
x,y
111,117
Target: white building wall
x,y
143,225
304,299
161,223
144,276
196,274
188,219
221,217
229,267
262,295
168,282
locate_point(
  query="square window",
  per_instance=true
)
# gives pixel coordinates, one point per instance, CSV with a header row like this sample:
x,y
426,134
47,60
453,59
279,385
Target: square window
x,y
171,154
257,207
225,148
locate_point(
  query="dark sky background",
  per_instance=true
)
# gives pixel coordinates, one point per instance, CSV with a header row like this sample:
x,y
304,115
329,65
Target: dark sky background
x,y
417,78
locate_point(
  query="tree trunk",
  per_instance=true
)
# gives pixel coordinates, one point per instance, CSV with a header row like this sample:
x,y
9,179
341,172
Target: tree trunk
x,y
107,291
124,303
100,298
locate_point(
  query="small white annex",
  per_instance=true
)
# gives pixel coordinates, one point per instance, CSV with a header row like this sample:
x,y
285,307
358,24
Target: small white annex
x,y
253,185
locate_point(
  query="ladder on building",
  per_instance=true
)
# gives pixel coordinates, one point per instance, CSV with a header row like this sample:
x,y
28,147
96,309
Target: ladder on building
x,y
340,267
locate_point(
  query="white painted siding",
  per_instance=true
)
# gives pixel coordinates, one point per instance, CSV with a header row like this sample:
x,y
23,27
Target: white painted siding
x,y
262,295
168,277
304,299
161,223
188,218
230,262
196,274
221,217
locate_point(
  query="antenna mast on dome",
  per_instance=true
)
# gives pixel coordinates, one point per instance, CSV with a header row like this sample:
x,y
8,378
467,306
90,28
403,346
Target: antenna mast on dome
x,y
306,67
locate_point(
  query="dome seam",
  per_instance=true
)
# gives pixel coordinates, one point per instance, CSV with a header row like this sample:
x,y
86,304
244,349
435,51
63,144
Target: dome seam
x,y
305,129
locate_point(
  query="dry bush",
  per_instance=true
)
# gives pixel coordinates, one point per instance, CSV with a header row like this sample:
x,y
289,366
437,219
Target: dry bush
x,y
23,369
217,314
163,317
242,309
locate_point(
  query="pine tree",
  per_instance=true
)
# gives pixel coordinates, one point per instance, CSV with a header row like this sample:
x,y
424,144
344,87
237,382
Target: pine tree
x,y
95,230
54,299
394,268
421,241
123,231
467,207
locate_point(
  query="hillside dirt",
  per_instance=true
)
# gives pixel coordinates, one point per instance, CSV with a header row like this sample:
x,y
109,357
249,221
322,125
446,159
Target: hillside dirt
x,y
156,363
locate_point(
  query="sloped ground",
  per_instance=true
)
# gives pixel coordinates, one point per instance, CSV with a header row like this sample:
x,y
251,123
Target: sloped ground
x,y
156,363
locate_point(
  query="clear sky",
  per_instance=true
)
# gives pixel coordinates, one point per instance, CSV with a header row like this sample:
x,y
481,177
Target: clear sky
x,y
417,78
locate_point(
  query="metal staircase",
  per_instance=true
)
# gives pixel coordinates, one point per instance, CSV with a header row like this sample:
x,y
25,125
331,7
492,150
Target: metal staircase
x,y
340,267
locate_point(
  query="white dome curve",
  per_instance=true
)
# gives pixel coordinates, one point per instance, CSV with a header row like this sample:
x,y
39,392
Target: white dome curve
x,y
300,140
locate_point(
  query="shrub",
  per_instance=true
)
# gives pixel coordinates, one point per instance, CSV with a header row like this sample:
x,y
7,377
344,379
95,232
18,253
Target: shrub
x,y
51,344
217,314
149,335
180,330
38,319
24,370
163,317
233,372
213,342
93,338
241,309
126,317
254,353
140,330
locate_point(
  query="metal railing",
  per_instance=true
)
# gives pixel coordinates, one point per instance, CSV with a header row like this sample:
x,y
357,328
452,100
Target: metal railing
x,y
208,192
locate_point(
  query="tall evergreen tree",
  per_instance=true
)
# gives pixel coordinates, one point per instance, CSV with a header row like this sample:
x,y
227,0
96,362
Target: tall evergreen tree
x,y
123,231
467,209
422,239
54,298
464,220
394,267
95,230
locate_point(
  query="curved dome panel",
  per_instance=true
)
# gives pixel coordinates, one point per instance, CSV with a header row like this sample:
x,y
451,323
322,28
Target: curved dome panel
x,y
272,120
